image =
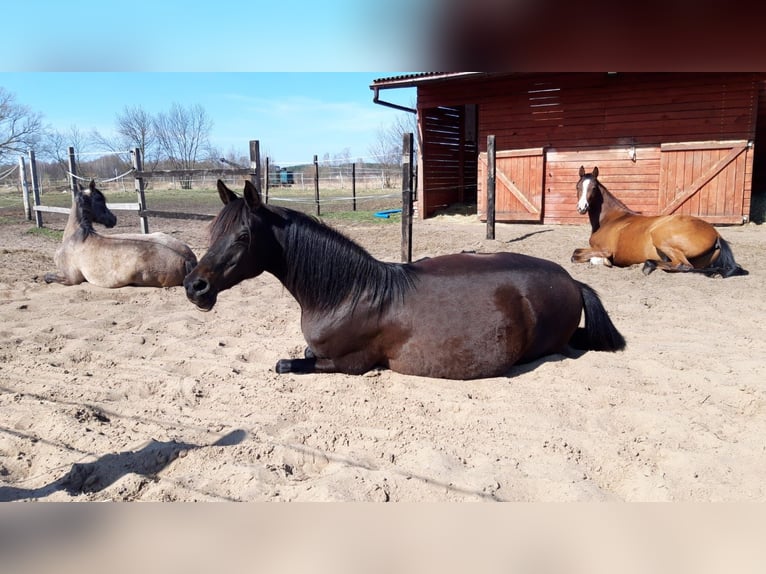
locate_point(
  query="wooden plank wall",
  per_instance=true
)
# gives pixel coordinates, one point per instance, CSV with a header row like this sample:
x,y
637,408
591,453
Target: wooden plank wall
x,y
598,118
635,183
523,170
601,110
686,168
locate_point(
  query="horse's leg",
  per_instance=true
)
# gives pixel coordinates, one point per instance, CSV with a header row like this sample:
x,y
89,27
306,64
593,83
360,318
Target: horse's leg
x,y
59,278
594,256
352,364
671,260
308,365
302,366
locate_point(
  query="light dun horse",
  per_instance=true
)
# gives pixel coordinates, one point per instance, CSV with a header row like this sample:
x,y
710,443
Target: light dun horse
x,y
151,260
460,316
623,237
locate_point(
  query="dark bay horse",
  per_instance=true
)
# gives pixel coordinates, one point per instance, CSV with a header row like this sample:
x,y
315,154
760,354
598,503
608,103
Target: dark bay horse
x,y
151,260
623,237
460,316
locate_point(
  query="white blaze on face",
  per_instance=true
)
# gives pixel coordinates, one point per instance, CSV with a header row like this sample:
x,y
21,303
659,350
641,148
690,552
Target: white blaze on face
x,y
582,203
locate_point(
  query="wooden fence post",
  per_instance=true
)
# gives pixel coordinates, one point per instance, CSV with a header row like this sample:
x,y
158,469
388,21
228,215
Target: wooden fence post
x,y
138,165
490,187
266,182
255,165
35,187
407,198
353,186
316,184
72,170
24,188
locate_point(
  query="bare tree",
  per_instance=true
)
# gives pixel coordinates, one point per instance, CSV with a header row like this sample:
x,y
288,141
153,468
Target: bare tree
x,y
55,147
135,129
183,136
387,147
20,128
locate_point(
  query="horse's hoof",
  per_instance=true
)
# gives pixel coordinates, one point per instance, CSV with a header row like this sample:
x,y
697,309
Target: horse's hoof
x,y
283,366
648,267
308,353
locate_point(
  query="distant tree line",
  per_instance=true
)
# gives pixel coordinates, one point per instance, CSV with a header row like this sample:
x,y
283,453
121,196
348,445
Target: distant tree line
x,y
177,139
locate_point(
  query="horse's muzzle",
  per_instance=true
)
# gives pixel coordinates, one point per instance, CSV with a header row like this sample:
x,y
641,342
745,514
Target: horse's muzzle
x,y
199,292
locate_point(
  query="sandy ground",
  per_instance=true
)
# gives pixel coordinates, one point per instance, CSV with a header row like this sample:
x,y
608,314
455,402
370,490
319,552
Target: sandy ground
x,y
134,394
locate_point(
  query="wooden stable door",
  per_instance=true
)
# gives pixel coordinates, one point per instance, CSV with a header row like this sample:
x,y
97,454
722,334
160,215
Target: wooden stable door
x,y
710,180
518,188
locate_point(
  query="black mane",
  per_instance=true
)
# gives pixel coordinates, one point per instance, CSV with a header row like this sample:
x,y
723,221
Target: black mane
x,y
84,214
324,268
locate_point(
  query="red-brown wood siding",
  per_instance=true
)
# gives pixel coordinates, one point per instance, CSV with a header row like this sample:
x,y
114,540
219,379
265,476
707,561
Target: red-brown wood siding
x,y
634,182
601,118
706,179
518,188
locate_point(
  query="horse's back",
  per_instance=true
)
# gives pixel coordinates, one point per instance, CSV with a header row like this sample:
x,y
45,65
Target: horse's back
x,y
460,264
151,260
476,315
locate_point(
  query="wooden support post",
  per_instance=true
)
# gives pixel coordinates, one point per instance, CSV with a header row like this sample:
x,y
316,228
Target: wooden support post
x,y
407,198
255,165
491,187
353,187
138,165
35,187
73,183
24,188
266,182
316,185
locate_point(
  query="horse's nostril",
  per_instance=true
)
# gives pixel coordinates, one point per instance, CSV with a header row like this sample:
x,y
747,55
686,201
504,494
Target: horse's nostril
x,y
200,286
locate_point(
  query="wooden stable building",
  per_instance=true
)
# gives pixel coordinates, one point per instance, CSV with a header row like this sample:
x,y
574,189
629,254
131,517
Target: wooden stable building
x,y
663,142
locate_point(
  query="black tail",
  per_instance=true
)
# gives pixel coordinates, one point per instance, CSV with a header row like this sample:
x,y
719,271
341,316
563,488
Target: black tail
x,y
599,333
725,266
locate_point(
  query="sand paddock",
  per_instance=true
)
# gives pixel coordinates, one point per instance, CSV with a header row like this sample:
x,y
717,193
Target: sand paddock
x,y
134,394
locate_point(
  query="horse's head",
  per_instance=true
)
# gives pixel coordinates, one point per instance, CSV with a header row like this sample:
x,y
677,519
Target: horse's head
x,y
92,206
587,189
240,237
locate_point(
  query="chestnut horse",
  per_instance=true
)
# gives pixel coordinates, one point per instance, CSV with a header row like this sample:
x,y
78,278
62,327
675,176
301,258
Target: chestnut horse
x,y
623,237
461,316
151,260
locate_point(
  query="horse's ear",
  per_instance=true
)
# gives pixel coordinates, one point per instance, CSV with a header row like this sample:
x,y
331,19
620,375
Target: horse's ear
x,y
225,193
252,197
92,184
595,172
582,170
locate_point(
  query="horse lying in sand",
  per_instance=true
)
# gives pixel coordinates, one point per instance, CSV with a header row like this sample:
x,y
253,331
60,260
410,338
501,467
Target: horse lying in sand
x,y
623,237
461,316
151,260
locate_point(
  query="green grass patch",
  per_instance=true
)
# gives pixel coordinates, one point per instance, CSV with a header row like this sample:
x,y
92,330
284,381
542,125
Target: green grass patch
x,y
361,217
53,234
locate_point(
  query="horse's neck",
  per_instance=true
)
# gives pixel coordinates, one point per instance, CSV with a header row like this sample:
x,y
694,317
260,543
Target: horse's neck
x,y
77,222
330,270
608,208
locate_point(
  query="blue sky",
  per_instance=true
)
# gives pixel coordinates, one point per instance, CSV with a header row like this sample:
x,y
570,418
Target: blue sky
x,y
224,35
292,74
293,114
